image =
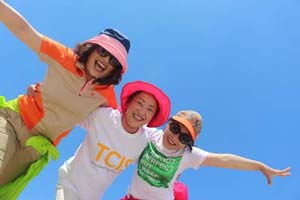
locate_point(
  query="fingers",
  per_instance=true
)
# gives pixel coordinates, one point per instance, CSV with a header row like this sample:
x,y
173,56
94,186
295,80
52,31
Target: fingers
x,y
31,90
273,172
285,172
287,169
269,181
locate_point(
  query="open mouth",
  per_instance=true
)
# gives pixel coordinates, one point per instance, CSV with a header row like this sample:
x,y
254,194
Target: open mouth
x,y
171,140
138,117
99,66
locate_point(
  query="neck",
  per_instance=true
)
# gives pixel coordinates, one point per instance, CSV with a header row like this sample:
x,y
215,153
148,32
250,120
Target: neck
x,y
127,127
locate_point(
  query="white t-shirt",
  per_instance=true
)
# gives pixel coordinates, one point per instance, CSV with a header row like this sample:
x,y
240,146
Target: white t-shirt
x,y
105,152
159,167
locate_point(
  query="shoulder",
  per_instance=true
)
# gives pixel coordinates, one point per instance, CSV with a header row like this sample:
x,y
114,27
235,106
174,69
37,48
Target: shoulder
x,y
101,112
152,133
53,52
56,49
196,156
198,151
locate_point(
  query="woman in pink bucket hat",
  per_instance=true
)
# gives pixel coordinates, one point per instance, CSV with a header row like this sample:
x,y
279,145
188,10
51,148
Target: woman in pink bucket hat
x,y
171,151
77,82
115,138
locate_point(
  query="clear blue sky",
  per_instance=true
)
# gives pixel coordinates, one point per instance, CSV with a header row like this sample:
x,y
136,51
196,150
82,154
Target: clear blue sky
x,y
235,62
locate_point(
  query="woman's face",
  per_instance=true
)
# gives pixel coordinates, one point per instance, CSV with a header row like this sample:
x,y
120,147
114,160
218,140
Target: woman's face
x,y
97,65
140,111
171,141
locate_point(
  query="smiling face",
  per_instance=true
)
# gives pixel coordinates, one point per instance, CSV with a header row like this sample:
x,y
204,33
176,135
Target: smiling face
x,y
140,111
171,141
182,130
98,66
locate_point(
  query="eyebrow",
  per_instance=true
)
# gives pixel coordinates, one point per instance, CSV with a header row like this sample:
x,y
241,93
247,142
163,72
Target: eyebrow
x,y
141,99
153,106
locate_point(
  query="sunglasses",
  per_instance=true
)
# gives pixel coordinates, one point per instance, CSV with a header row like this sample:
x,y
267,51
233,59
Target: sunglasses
x,y
184,138
112,60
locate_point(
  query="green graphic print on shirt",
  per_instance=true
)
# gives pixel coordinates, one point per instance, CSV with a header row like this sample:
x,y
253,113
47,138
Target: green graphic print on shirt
x,y
155,168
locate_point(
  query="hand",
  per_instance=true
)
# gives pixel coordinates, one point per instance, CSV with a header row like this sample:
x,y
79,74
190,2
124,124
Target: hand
x,y
270,172
31,90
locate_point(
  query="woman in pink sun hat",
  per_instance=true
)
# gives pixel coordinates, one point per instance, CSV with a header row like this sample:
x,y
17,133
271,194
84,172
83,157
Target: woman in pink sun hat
x,y
77,82
115,138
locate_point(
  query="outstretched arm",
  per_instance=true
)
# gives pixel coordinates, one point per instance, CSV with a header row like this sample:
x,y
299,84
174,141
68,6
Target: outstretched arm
x,y
18,25
238,162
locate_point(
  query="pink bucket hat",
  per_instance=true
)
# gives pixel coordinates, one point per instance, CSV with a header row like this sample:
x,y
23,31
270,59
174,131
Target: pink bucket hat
x,y
163,101
115,43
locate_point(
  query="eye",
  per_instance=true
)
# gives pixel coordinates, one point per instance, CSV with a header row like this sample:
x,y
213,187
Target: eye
x,y
175,128
150,110
102,52
185,138
139,102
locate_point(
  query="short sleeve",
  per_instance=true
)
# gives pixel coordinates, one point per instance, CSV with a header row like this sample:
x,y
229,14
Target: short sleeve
x,y
52,51
195,158
91,121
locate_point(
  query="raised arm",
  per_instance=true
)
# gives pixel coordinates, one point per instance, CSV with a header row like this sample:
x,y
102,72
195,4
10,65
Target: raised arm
x,y
238,162
17,24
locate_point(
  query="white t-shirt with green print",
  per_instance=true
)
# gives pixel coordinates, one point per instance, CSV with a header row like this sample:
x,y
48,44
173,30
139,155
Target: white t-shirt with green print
x,y
159,167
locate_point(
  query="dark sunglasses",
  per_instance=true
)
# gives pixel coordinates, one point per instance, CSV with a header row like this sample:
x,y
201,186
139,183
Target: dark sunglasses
x,y
184,138
112,60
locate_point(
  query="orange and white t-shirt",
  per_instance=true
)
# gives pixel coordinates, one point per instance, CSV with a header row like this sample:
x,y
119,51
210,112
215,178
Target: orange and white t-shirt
x,y
64,97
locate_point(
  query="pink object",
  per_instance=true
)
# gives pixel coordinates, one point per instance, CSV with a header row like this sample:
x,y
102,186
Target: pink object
x,y
128,197
180,191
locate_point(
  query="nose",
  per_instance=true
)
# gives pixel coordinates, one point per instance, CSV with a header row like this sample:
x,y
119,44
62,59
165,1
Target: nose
x,y
106,58
175,138
141,111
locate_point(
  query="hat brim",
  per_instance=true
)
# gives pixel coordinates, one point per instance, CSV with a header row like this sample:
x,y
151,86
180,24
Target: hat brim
x,y
187,125
163,101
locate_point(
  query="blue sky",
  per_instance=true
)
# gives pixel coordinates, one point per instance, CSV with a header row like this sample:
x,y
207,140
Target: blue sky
x,y
235,62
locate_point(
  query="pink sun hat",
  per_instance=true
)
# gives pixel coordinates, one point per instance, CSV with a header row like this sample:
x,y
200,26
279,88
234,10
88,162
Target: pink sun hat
x,y
115,43
163,101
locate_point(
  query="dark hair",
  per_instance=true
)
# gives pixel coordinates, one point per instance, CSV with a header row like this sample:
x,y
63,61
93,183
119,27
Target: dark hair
x,y
84,51
131,97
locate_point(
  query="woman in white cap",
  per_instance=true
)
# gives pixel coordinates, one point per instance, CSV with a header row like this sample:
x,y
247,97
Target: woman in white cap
x,y
172,151
76,83
115,138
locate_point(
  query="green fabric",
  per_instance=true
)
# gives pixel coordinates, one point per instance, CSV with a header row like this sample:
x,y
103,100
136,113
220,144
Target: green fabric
x,y
12,104
13,189
155,168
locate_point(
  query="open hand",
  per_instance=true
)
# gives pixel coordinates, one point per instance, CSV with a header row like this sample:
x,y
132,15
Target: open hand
x,y
270,172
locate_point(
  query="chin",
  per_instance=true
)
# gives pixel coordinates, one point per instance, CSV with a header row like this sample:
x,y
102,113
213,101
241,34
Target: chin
x,y
167,144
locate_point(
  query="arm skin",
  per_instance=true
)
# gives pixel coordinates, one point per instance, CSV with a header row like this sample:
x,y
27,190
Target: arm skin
x,y
240,163
18,25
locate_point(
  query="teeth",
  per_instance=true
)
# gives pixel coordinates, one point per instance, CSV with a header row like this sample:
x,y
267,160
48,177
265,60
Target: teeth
x,y
137,117
171,141
99,66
